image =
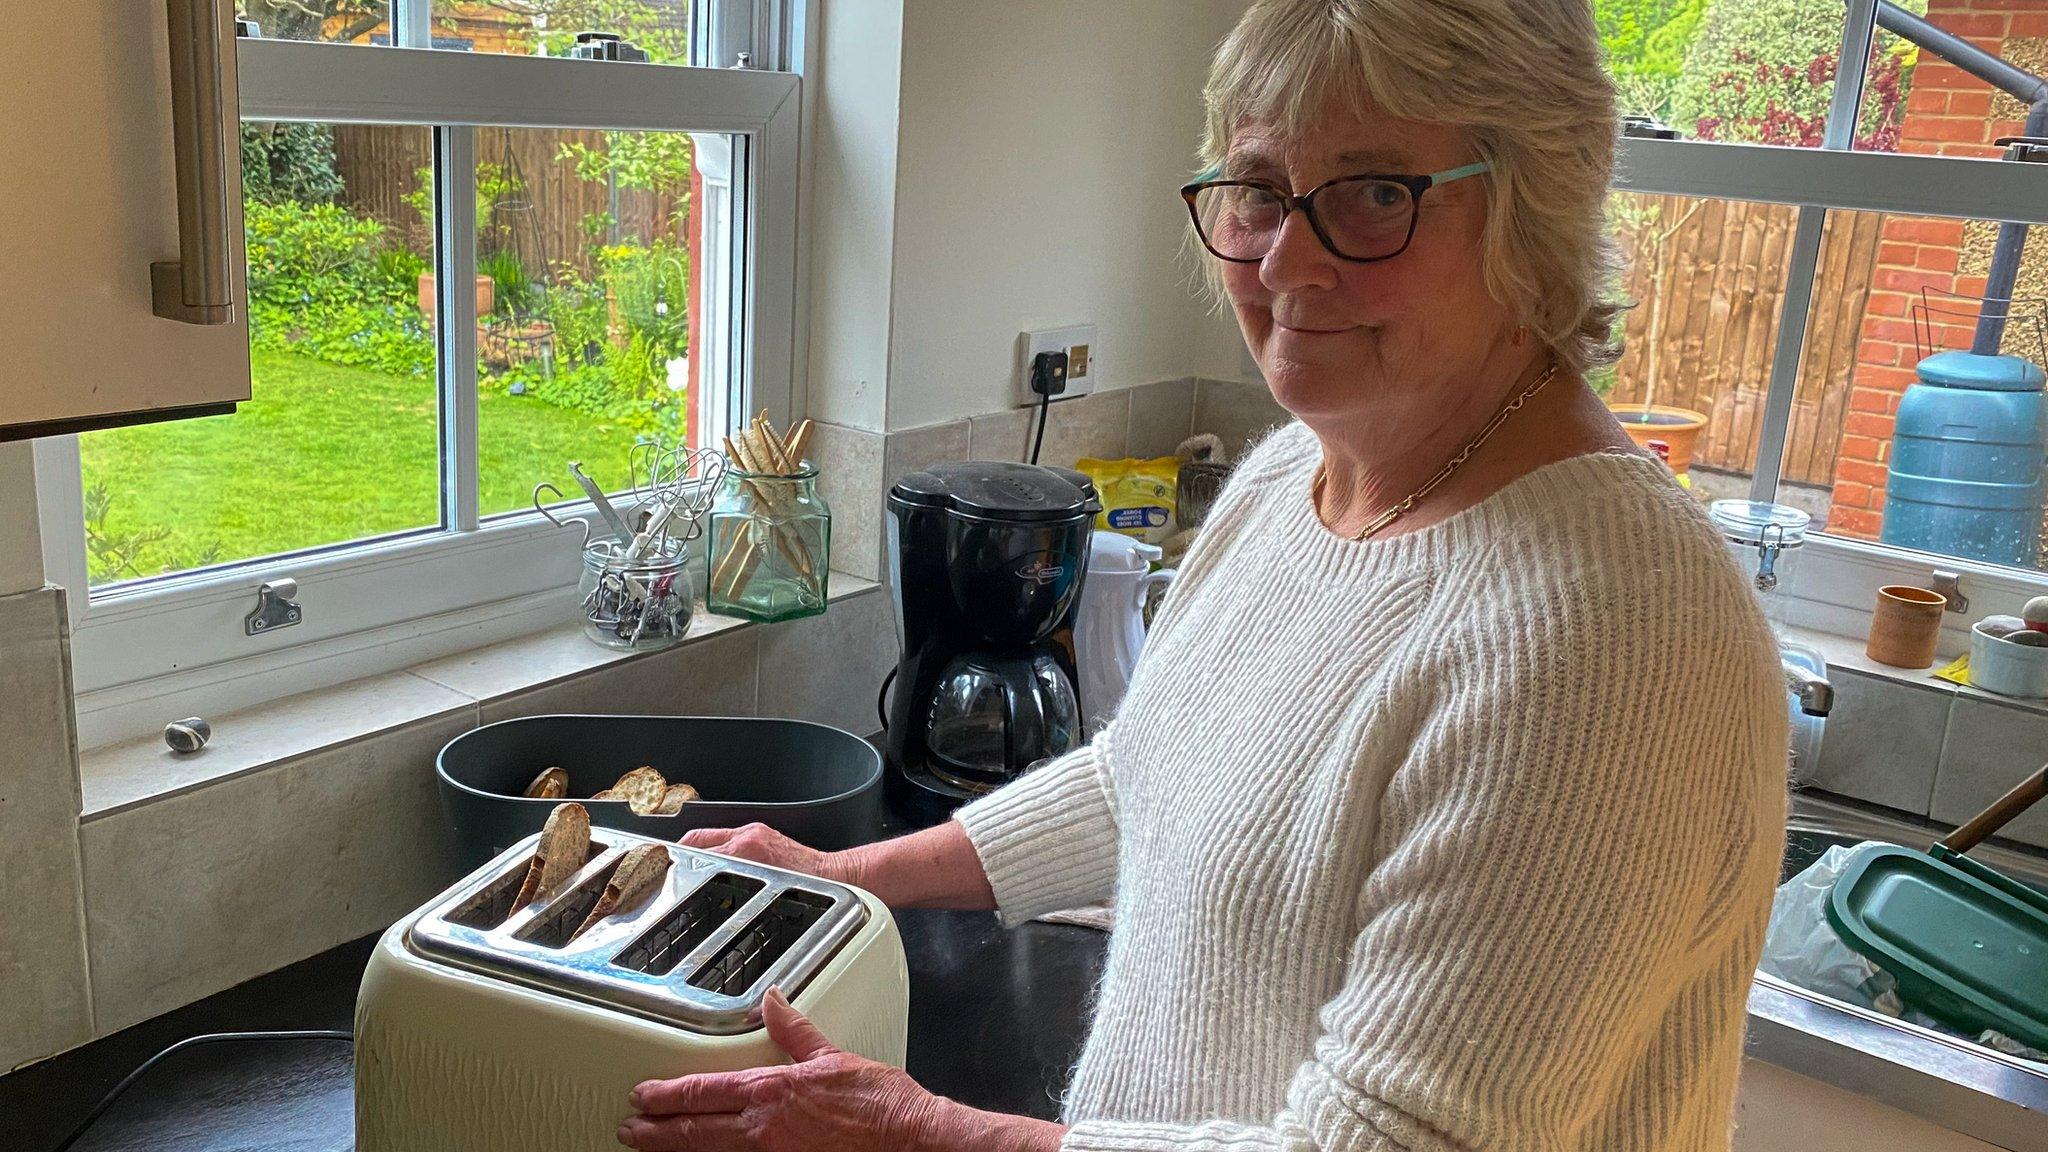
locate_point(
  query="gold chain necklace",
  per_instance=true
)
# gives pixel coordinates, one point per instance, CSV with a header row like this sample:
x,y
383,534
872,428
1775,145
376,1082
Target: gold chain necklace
x,y
1315,491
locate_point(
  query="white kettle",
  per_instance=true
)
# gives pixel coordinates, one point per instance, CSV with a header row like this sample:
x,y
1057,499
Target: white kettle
x,y
1109,630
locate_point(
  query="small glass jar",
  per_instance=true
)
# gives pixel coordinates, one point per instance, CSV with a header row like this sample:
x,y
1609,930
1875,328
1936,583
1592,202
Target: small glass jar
x,y
769,546
1765,540
636,605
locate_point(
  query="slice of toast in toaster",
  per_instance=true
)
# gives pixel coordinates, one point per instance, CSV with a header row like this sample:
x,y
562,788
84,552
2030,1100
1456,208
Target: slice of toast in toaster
x,y
564,847
638,875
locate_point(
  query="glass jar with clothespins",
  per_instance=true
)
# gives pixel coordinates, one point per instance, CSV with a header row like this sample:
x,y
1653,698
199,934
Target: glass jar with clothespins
x,y
769,554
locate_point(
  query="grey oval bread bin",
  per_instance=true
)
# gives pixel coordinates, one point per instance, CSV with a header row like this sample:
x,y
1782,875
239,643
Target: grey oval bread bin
x,y
819,784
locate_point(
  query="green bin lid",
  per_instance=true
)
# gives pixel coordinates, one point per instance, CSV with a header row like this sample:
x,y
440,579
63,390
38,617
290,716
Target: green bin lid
x,y
1986,373
1971,954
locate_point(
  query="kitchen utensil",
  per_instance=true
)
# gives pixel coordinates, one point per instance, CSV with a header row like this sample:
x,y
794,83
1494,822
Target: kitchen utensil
x,y
989,562
636,603
2014,663
816,784
1109,630
612,519
479,1027
771,533
1905,626
1967,944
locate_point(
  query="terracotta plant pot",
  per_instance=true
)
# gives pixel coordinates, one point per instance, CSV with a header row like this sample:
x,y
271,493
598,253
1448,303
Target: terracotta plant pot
x,y
1679,428
485,295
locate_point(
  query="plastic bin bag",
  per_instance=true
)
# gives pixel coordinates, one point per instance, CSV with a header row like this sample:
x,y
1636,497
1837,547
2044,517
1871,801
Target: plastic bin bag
x,y
1802,949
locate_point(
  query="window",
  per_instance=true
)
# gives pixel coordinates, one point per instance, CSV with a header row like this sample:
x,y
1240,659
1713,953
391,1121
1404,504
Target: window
x,y
468,268
1800,291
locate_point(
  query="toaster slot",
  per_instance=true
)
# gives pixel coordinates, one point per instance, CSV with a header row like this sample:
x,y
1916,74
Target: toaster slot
x,y
552,928
492,905
764,942
689,924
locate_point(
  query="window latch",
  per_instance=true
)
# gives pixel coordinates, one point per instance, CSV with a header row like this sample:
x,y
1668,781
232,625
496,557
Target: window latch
x,y
2025,149
1950,585
606,46
275,608
1647,128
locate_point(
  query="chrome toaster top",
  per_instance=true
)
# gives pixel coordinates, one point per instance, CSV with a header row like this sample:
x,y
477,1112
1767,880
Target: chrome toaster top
x,y
700,953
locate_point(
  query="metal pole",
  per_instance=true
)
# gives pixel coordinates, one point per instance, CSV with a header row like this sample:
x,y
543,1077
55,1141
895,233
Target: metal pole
x,y
2005,263
1851,64
2003,75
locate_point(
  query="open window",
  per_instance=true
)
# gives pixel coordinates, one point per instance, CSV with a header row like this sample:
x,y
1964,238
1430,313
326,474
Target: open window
x,y
483,244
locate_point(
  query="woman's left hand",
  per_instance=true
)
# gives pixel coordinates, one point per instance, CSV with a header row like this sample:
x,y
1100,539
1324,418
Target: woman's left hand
x,y
825,1099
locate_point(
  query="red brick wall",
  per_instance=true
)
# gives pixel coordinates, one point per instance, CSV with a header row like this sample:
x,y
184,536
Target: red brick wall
x,y
1948,113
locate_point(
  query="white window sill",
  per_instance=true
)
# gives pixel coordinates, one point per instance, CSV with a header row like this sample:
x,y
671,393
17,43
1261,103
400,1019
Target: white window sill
x,y
1846,653
121,776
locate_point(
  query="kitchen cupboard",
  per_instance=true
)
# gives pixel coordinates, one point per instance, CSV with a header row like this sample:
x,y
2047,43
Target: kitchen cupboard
x,y
90,199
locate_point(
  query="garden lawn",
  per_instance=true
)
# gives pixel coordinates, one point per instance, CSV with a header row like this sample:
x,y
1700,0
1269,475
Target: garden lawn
x,y
322,454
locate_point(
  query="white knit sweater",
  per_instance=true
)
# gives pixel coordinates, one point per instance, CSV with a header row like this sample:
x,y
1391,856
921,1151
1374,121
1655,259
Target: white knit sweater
x,y
1460,839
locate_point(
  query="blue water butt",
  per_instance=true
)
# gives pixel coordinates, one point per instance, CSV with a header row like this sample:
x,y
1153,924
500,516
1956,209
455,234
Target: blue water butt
x,y
1967,454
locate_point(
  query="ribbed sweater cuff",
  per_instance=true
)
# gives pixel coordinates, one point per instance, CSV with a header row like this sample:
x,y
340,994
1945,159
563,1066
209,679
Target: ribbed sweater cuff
x,y
1127,1136
1048,840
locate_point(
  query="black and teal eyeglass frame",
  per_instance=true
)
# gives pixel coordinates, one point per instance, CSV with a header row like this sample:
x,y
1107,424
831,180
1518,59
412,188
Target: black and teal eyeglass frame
x,y
1366,240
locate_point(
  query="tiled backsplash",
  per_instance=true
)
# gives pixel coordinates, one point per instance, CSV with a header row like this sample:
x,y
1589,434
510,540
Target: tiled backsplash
x,y
856,467
1930,750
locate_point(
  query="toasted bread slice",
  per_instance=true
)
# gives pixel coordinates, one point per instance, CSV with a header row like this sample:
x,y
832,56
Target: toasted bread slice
x,y
672,801
563,849
642,790
552,784
635,879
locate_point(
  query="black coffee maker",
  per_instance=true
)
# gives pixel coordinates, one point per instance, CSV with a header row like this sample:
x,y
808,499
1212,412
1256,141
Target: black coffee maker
x,y
986,560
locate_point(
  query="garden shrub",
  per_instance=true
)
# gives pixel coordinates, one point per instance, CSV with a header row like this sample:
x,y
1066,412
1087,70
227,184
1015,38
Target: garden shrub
x,y
1762,71
326,283
289,162
1646,43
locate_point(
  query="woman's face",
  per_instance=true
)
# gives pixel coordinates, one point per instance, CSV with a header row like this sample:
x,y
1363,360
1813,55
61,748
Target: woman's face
x,y
1334,337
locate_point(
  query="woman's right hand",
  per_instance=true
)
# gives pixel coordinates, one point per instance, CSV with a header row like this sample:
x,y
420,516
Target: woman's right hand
x,y
935,868
764,845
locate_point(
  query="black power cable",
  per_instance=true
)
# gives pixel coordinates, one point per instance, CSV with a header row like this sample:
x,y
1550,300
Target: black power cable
x,y
107,1101
1048,379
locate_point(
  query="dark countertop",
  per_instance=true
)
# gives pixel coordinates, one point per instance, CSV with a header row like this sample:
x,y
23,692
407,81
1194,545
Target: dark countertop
x,y
996,1021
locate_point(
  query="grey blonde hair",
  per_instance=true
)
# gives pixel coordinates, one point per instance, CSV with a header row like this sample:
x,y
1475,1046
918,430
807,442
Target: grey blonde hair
x,y
1522,77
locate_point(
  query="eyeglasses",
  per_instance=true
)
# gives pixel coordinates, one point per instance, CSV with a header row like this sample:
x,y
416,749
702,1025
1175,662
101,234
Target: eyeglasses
x,y
1358,218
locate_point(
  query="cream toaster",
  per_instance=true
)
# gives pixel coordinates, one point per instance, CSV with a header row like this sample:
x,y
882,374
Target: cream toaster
x,y
479,1027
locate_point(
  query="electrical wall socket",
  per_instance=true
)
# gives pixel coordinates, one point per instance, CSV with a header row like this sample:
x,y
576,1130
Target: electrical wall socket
x,y
1084,360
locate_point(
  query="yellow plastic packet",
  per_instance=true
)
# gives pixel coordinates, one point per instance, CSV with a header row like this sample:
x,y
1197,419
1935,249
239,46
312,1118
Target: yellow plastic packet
x,y
1137,495
1957,671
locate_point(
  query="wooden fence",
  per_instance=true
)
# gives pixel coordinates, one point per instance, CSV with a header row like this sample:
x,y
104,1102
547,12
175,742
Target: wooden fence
x,y
543,222
1713,302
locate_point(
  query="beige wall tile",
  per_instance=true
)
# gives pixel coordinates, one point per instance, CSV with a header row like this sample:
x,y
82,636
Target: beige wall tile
x,y
1096,425
915,448
713,677
45,1005
1989,748
1162,415
828,669
1236,412
849,462
197,893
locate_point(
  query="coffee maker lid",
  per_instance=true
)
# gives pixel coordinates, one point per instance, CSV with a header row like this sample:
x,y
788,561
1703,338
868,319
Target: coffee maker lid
x,y
1001,490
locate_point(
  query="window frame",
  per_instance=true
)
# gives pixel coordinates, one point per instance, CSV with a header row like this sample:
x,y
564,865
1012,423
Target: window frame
x,y
144,654
1837,578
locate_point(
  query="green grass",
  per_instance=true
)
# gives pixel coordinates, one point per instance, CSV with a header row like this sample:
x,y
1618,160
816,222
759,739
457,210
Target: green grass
x,y
322,454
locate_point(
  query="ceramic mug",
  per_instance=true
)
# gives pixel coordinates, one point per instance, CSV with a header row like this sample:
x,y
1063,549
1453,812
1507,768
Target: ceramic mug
x,y
1905,626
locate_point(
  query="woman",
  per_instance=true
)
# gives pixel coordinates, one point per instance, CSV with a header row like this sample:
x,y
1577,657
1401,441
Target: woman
x,y
1469,840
